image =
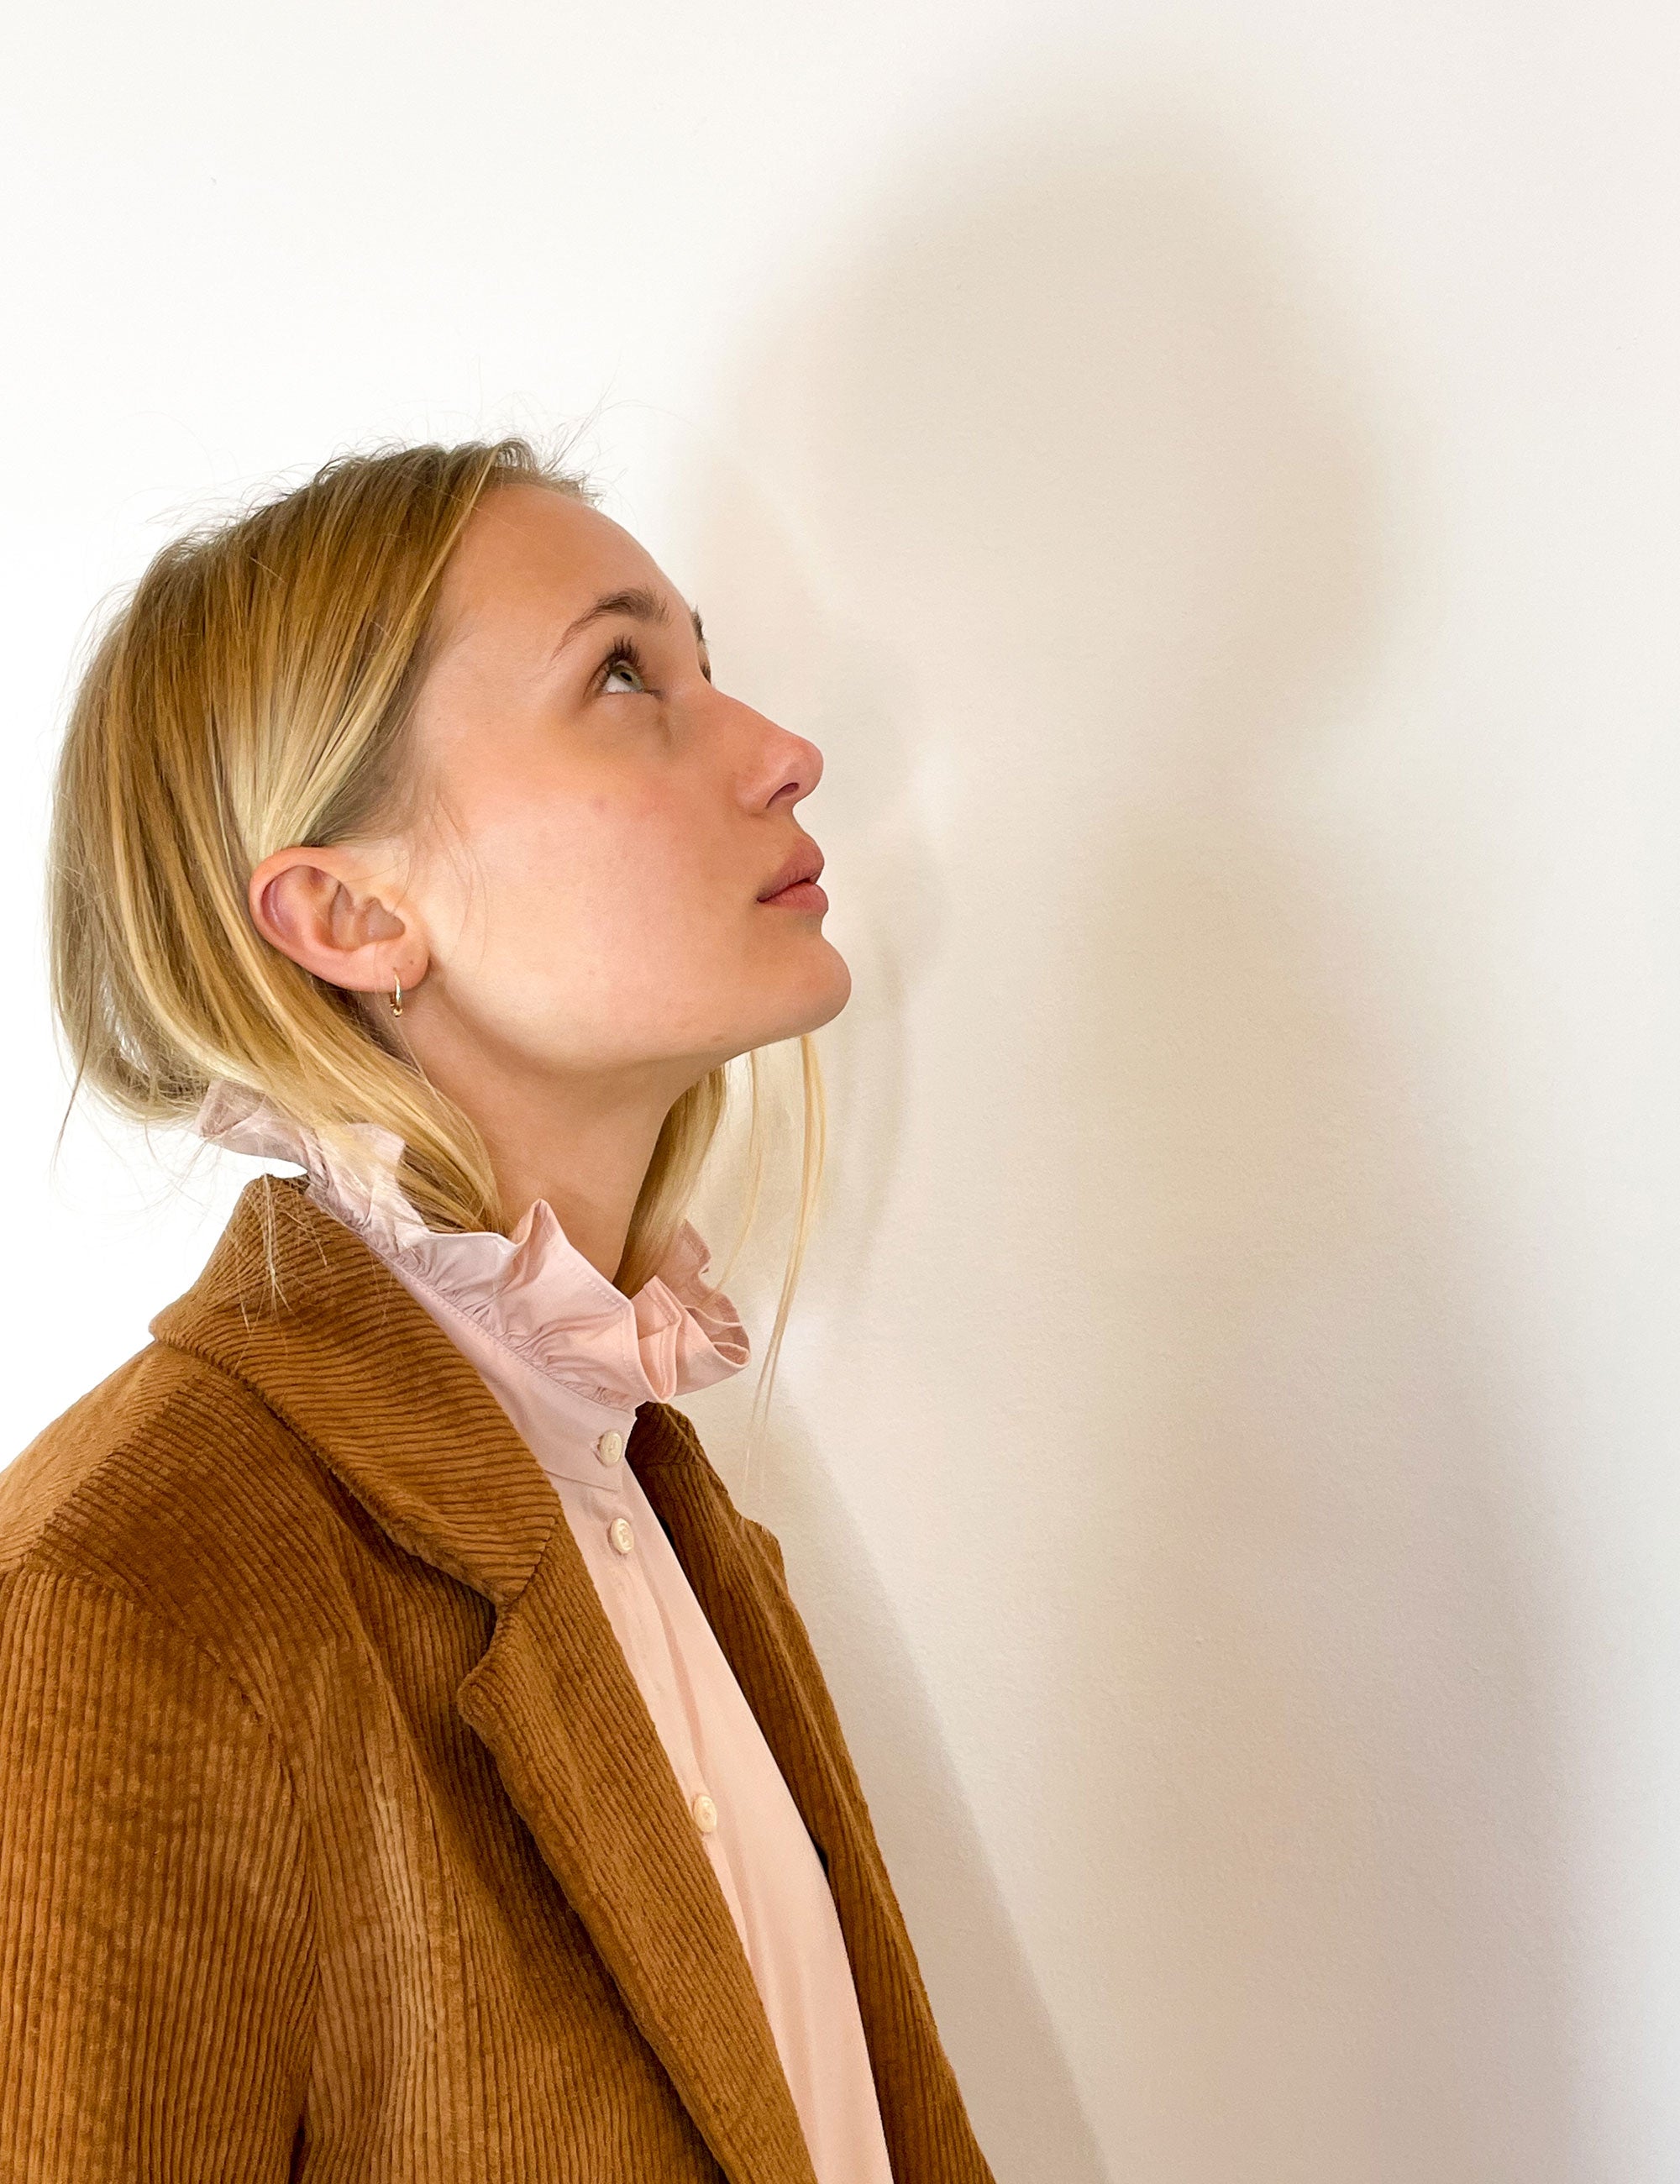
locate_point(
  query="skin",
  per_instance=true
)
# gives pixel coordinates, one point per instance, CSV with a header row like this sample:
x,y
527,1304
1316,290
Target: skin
x,y
577,923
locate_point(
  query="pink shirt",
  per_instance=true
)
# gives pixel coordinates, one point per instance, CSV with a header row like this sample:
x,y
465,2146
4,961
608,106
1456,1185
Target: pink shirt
x,y
569,1358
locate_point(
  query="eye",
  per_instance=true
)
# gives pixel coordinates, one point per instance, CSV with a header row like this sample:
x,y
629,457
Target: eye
x,y
625,659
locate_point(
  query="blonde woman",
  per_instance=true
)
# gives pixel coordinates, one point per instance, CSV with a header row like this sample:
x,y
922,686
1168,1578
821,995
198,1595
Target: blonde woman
x,y
412,1765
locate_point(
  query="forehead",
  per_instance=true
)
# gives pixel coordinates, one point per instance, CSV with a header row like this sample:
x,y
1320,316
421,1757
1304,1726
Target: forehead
x,y
528,554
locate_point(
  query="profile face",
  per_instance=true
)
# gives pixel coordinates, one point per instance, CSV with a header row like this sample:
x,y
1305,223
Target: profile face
x,y
610,819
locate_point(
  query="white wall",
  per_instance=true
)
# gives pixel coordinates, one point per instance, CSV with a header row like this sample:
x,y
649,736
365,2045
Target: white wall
x,y
1207,478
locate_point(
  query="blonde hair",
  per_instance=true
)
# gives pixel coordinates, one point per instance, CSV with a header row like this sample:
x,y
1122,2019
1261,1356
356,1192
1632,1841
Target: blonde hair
x,y
251,692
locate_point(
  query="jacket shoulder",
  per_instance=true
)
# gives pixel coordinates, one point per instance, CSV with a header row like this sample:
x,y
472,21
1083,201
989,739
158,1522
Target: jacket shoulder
x,y
672,1437
169,1482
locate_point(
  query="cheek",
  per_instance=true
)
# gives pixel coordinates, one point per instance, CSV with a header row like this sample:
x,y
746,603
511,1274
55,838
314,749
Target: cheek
x,y
591,887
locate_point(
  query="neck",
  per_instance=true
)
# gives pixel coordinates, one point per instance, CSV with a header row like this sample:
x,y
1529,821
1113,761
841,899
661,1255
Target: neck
x,y
583,1143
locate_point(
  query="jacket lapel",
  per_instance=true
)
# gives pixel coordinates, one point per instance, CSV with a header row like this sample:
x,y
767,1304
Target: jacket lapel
x,y
361,1373
926,2126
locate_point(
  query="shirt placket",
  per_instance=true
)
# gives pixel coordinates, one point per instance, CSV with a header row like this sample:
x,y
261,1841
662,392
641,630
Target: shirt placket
x,y
606,1508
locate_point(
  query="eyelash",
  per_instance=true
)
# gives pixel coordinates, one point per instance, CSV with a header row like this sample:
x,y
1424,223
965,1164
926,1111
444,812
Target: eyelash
x,y
625,653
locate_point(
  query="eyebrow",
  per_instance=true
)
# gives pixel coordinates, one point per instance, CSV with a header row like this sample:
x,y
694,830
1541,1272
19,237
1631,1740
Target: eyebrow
x,y
639,603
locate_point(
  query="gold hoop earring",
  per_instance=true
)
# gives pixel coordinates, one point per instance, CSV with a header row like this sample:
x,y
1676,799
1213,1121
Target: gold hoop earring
x,y
396,998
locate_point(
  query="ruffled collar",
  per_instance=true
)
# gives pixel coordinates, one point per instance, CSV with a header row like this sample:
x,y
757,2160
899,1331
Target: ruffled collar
x,y
534,1291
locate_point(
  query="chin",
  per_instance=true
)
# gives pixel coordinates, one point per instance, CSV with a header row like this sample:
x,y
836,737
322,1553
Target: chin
x,y
819,999
840,991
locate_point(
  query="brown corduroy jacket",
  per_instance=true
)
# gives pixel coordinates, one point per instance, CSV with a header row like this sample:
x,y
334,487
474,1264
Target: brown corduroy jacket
x,y
336,1840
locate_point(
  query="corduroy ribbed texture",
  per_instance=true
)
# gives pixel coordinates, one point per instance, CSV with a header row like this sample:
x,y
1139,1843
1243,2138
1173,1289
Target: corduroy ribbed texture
x,y
336,1840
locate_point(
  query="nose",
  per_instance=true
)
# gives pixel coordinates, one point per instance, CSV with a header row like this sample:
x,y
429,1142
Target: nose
x,y
785,767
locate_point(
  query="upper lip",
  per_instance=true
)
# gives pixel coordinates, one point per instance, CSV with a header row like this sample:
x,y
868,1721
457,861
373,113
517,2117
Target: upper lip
x,y
805,863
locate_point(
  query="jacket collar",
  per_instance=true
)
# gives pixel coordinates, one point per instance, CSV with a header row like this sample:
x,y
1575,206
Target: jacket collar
x,y
336,1347
532,1289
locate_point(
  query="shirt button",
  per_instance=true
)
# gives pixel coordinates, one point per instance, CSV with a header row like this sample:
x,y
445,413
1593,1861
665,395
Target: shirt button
x,y
610,1447
620,1534
705,1814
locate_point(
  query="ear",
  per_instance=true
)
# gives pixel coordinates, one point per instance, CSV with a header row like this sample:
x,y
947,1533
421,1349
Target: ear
x,y
330,911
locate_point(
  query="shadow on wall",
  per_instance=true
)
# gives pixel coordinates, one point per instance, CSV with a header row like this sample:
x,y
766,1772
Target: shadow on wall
x,y
1055,488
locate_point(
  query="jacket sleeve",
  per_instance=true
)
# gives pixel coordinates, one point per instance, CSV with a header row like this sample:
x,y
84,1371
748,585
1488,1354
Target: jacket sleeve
x,y
156,1968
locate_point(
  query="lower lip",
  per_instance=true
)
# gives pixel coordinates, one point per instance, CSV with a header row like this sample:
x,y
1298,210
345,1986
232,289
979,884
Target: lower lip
x,y
807,896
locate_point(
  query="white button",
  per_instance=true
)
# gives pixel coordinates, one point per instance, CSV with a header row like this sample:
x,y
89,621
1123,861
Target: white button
x,y
620,1534
610,1447
705,1814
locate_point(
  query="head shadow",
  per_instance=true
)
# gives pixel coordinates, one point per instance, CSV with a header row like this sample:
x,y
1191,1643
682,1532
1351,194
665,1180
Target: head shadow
x,y
1058,502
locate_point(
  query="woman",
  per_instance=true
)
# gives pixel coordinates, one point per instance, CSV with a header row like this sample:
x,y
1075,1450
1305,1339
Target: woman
x,y
412,1765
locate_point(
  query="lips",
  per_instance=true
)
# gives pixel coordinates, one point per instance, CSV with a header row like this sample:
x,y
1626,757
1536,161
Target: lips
x,y
804,864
